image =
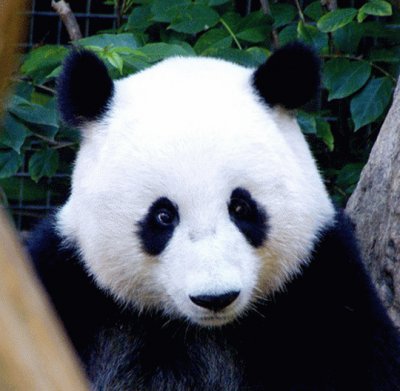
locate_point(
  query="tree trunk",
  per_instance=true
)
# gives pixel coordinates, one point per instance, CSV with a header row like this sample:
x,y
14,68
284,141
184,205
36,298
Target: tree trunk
x,y
374,208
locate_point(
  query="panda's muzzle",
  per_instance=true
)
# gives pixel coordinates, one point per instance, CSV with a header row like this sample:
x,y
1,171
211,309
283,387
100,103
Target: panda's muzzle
x,y
215,302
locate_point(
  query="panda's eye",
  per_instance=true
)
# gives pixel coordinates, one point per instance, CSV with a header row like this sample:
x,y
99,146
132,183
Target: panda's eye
x,y
239,208
164,214
165,217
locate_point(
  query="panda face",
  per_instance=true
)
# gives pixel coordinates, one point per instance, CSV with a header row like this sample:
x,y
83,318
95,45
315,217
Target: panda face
x,y
191,196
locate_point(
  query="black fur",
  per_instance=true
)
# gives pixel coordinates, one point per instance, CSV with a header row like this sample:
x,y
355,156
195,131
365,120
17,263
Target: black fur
x,y
253,222
84,88
290,77
155,236
326,331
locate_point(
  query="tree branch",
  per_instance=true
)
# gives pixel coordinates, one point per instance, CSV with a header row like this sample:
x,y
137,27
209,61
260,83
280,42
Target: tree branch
x,y
329,4
64,10
267,11
298,6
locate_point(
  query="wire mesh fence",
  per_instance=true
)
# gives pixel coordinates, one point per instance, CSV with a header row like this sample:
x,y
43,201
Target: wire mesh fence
x,y
29,202
45,26
25,201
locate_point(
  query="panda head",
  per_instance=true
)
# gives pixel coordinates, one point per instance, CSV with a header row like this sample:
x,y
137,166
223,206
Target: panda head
x,y
194,191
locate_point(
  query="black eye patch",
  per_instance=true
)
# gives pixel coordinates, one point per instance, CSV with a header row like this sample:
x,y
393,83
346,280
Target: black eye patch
x,y
248,216
157,227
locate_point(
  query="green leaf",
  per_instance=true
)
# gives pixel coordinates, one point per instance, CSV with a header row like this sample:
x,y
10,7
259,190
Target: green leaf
x,y
287,34
252,57
42,61
132,64
54,73
349,174
10,162
324,132
347,38
167,10
374,7
40,98
211,3
254,28
31,112
216,2
17,188
380,30
43,163
233,20
283,14
14,133
158,51
184,45
34,114
307,122
213,39
312,36
140,18
343,77
194,18
314,10
385,55
127,40
258,55
24,90
371,102
115,60
336,19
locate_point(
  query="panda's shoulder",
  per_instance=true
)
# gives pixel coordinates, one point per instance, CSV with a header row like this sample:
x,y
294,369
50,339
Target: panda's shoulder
x,y
346,289
336,282
79,302
50,254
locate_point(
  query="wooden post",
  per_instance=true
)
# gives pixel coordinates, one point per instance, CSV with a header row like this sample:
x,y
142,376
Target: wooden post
x,y
34,352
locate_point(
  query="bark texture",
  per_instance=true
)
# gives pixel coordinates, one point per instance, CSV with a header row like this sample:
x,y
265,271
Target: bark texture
x,y
374,208
35,354
64,10
12,29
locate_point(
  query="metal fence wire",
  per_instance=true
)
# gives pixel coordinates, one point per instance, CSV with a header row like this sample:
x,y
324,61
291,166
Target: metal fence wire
x,y
45,27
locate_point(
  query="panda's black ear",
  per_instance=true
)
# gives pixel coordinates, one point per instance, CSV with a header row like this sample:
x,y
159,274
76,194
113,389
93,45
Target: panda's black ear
x,y
290,77
84,88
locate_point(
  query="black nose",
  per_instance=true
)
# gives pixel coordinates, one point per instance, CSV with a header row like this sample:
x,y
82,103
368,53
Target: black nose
x,y
215,302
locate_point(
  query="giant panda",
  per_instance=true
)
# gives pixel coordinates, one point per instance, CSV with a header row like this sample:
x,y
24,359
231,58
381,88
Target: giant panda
x,y
199,249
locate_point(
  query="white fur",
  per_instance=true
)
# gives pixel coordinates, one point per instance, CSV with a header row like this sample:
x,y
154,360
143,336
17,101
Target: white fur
x,y
193,130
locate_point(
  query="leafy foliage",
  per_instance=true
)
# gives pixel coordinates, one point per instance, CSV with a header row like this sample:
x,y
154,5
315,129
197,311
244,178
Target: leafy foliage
x,y
358,45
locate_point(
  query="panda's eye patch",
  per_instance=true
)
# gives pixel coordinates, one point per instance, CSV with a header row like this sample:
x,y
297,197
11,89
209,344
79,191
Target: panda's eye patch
x,y
248,216
157,227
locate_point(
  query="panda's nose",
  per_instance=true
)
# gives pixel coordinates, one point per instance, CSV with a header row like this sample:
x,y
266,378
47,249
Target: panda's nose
x,y
215,302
